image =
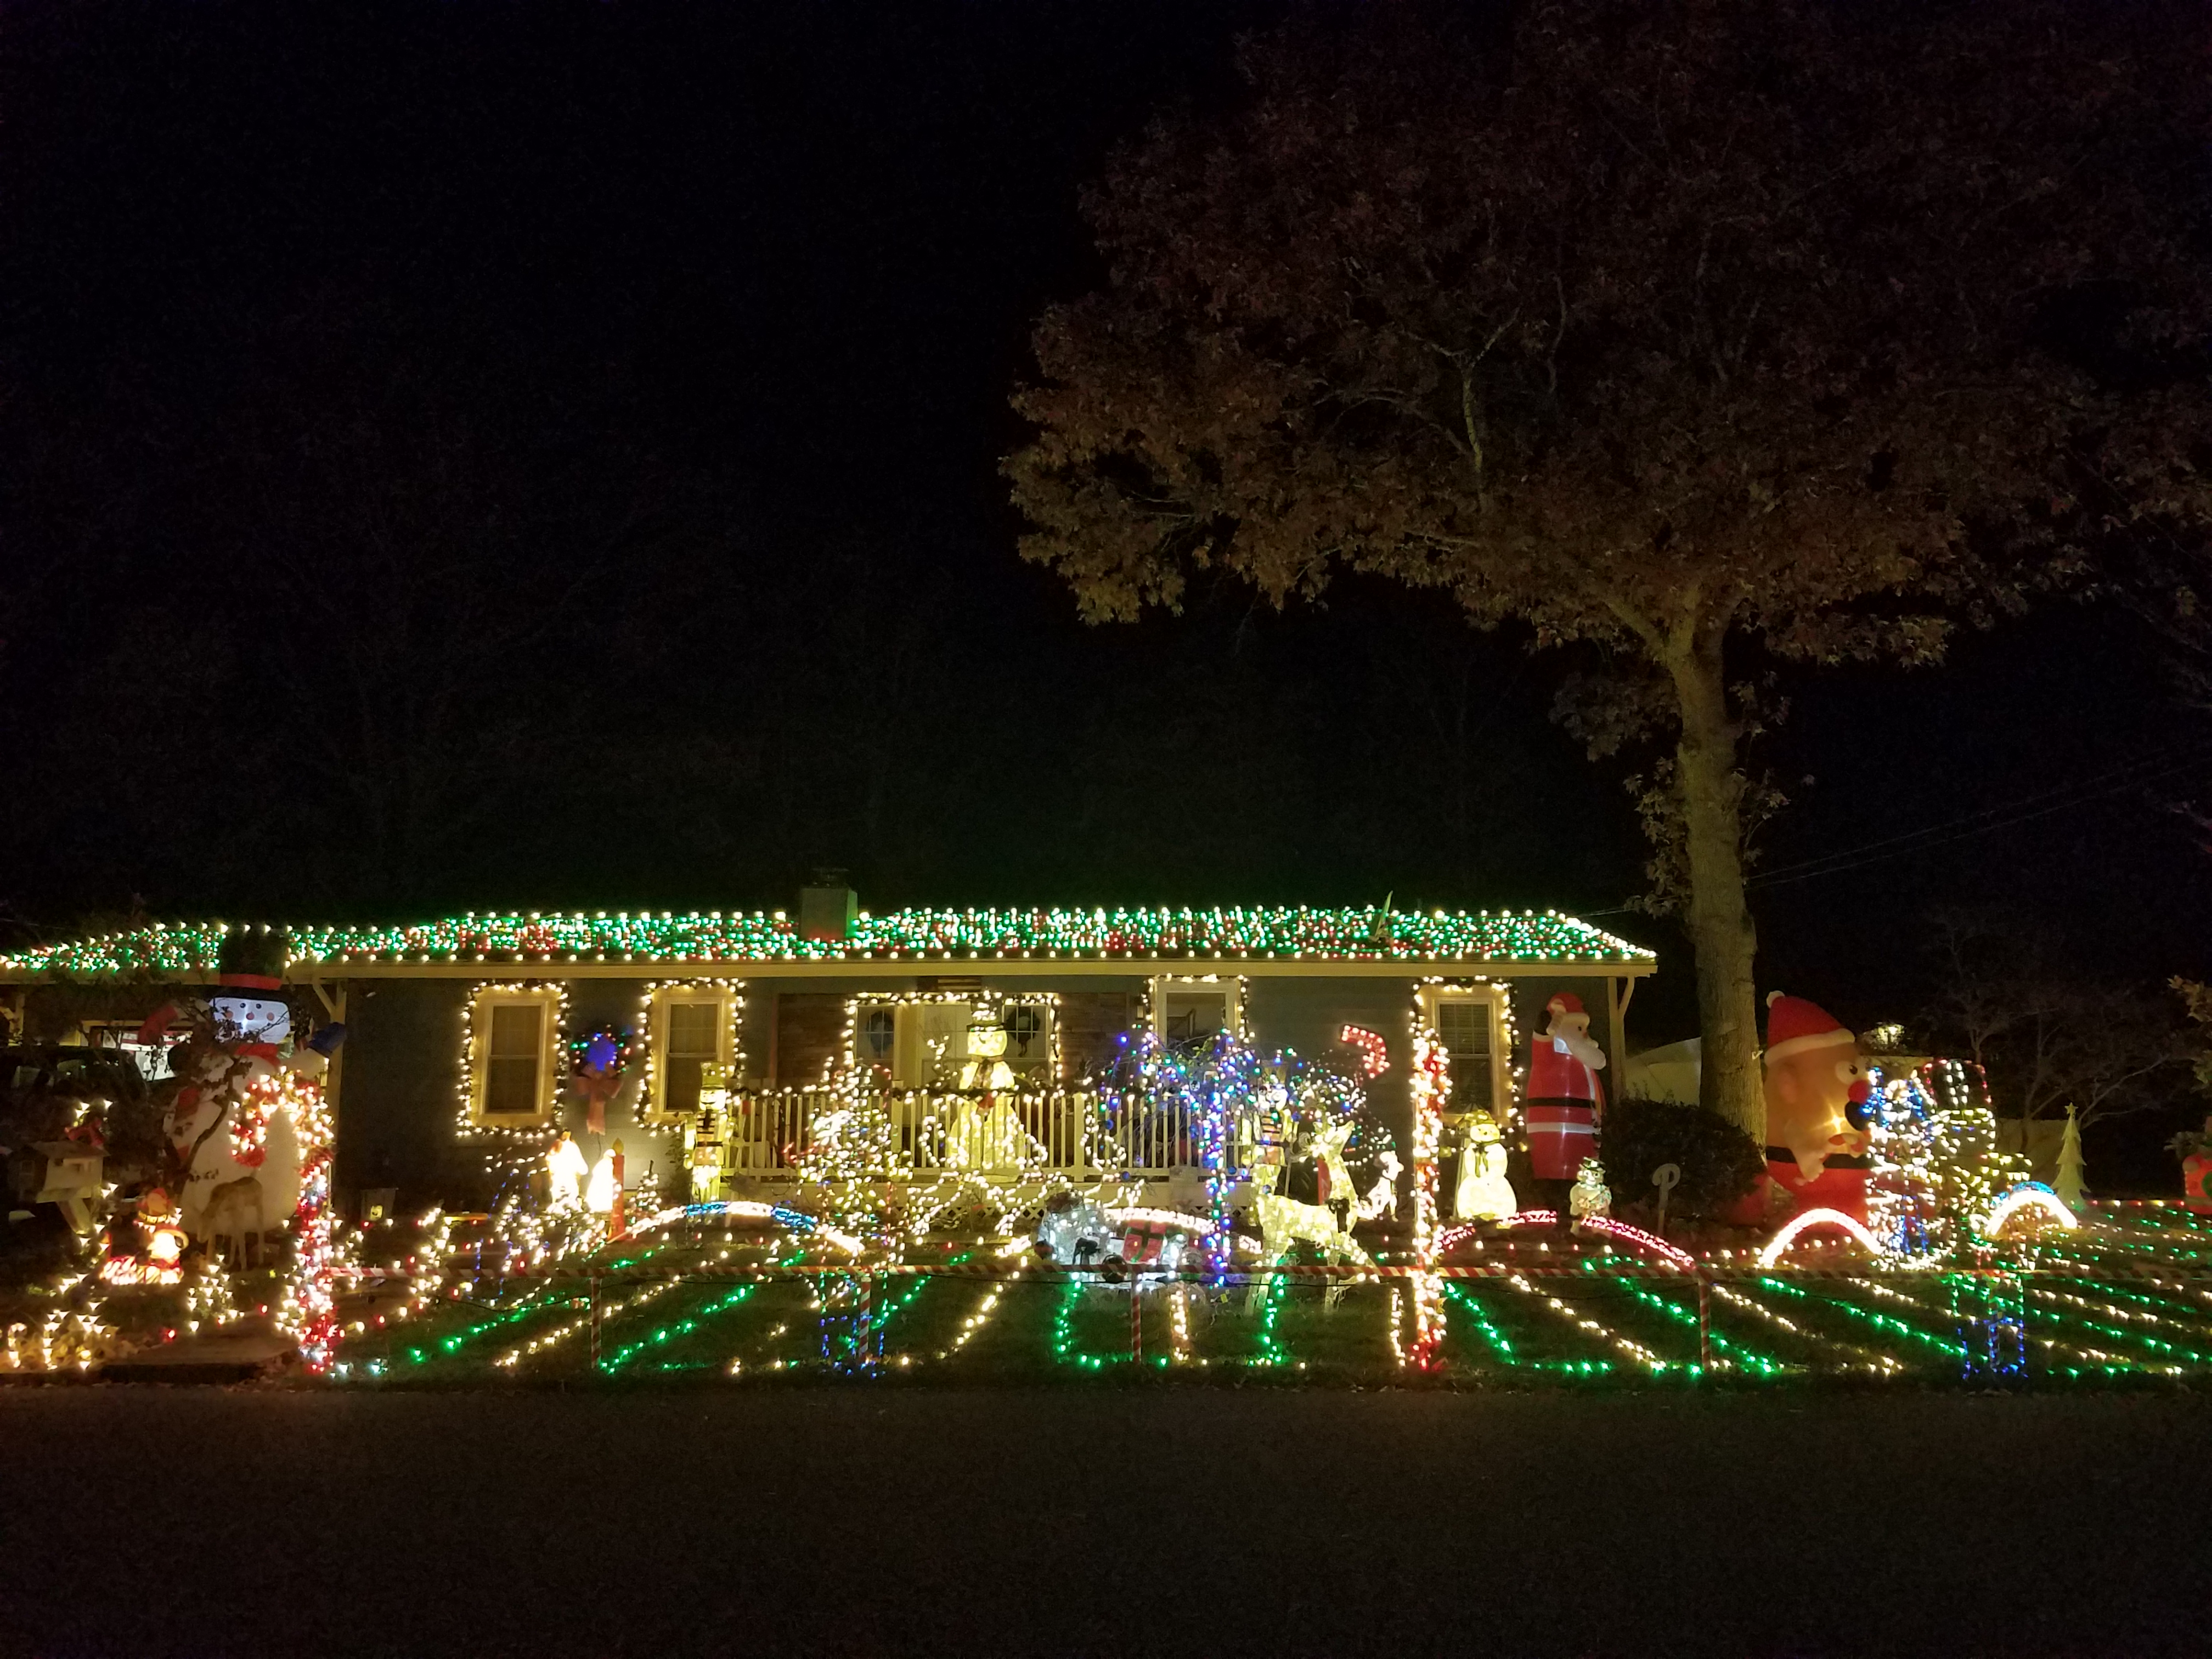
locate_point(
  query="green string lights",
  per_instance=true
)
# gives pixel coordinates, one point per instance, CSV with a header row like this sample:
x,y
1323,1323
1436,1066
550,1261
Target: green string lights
x,y
678,1328
1740,1355
1257,932
1887,1322
1580,1325
2078,1307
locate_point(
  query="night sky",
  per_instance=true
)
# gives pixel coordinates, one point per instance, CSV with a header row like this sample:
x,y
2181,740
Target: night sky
x,y
461,456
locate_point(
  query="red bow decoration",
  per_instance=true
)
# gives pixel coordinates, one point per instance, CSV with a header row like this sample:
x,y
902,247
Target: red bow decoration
x,y
598,1088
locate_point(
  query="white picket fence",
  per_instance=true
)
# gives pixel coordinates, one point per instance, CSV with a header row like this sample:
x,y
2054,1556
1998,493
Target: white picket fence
x,y
1068,1130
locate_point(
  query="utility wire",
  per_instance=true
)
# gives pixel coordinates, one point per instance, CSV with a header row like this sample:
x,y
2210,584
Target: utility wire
x,y
2144,769
2083,792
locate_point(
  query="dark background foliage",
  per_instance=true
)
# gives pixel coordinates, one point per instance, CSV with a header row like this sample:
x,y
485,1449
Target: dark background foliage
x,y
470,455
1719,1163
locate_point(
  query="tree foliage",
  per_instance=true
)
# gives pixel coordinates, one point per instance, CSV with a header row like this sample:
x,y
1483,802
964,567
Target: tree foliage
x,y
1674,330
1719,1163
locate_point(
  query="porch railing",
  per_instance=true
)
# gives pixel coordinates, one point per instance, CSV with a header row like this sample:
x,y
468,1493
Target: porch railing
x,y
1072,1131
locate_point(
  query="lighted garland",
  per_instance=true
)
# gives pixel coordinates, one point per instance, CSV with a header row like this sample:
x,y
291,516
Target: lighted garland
x,y
536,1130
1431,1083
1368,933
307,1308
651,999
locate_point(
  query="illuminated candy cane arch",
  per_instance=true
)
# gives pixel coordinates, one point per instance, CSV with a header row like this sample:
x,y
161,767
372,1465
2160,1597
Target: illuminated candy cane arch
x,y
1431,1085
309,1307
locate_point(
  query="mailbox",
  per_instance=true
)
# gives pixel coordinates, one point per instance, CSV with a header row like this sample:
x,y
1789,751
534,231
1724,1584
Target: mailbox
x,y
61,1172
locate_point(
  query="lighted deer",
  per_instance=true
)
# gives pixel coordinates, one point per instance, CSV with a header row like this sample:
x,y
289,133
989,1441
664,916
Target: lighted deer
x,y
1284,1222
226,1216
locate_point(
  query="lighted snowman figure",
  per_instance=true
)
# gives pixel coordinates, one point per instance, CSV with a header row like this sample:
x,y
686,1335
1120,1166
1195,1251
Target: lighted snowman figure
x,y
983,1134
1483,1193
986,1068
1591,1198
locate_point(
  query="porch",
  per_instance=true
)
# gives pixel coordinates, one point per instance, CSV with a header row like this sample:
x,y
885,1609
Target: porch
x,y
758,1134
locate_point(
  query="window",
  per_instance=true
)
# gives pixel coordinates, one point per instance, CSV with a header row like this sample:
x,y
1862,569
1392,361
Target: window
x,y
922,1041
1190,1010
690,1028
875,1037
933,1043
151,1059
1030,1045
1467,1021
1464,1024
513,1030
517,1040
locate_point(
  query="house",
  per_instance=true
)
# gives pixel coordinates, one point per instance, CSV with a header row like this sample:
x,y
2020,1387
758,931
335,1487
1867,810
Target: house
x,y
463,1034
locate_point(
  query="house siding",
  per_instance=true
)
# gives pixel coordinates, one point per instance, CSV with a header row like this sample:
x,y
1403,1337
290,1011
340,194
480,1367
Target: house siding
x,y
402,1066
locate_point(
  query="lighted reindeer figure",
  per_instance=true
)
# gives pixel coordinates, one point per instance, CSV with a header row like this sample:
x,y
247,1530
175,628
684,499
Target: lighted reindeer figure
x,y
1284,1222
233,1212
1336,1185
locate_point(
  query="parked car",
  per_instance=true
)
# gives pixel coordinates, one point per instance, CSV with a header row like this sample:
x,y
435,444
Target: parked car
x,y
46,1089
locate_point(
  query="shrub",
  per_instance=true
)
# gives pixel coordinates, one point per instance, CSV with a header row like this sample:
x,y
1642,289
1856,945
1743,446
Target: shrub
x,y
1719,1162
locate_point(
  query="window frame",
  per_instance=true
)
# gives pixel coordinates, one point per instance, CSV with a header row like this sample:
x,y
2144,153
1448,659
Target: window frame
x,y
1434,993
1231,987
723,995
907,1009
553,998
1048,1008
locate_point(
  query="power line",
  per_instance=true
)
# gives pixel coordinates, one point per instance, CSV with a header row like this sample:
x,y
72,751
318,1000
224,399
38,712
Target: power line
x,y
2028,808
2131,775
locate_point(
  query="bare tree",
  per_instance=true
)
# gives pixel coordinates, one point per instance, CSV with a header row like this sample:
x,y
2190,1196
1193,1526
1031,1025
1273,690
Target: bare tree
x,y
2047,1039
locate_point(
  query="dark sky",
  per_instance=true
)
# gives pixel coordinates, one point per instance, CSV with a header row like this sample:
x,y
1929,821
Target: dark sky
x,y
469,455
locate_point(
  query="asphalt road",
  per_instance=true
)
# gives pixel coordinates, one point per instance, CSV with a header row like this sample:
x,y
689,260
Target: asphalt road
x,y
207,1523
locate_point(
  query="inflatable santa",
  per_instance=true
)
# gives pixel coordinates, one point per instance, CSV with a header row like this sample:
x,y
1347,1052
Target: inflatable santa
x,y
1565,1099
1817,1092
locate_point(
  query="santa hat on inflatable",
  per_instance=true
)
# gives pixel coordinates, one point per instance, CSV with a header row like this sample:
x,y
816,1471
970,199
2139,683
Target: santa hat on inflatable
x,y
1794,1025
1566,1002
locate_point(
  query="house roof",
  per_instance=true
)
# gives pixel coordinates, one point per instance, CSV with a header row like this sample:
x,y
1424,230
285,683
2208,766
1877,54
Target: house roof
x,y
1245,940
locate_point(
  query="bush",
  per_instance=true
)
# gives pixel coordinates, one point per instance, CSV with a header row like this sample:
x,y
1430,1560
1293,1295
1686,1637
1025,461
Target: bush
x,y
1719,1163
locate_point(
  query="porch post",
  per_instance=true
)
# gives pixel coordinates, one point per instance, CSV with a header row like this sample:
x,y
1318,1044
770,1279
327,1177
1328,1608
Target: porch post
x,y
1618,991
333,999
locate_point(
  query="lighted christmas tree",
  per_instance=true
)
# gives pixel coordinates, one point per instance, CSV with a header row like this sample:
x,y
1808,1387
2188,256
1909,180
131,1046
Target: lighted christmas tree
x,y
845,1165
2068,1186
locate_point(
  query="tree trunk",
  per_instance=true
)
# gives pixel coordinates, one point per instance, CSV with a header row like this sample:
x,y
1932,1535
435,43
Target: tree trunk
x,y
1712,793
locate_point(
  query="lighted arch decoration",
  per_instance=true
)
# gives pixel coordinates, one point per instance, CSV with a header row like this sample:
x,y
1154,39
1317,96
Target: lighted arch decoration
x,y
750,1210
1607,1227
733,1209
1604,1226
2029,1196
1810,1219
